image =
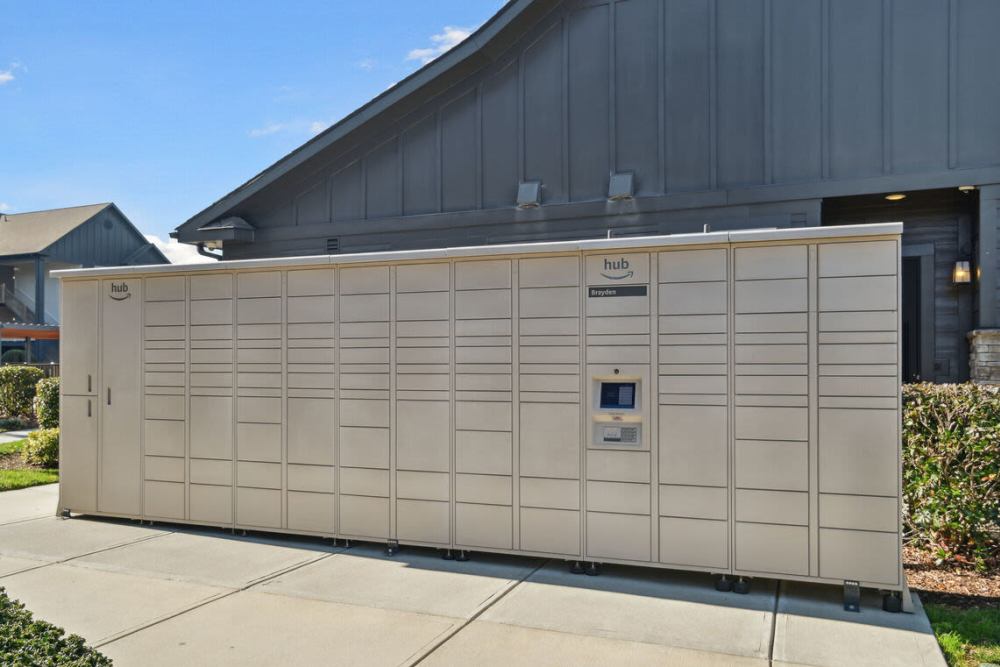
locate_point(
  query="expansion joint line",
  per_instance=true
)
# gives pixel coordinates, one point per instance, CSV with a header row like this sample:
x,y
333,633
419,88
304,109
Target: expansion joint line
x,y
455,629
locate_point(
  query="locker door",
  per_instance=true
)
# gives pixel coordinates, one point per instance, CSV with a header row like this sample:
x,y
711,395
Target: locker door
x,y
79,340
78,454
121,338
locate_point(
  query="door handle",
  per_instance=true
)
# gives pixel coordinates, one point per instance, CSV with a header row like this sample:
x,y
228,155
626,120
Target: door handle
x,y
89,413
89,384
109,395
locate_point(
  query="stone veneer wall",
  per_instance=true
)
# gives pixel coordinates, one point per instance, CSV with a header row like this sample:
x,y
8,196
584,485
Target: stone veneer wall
x,y
984,356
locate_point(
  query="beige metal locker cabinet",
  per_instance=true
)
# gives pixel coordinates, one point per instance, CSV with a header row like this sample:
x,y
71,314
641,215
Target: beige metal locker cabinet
x,y
724,402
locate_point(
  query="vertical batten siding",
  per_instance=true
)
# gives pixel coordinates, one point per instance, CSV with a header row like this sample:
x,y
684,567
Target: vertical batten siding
x,y
692,96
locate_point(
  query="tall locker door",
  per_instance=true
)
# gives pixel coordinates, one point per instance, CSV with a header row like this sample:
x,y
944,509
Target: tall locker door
x,y
79,344
121,309
78,454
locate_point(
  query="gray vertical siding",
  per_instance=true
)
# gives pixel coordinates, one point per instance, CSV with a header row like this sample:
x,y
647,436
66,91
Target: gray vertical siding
x,y
107,239
772,100
944,224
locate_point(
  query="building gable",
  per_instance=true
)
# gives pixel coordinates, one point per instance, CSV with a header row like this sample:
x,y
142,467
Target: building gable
x,y
709,104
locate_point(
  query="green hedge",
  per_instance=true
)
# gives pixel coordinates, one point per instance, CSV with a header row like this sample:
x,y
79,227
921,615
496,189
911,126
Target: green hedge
x,y
47,402
951,470
26,642
42,448
17,390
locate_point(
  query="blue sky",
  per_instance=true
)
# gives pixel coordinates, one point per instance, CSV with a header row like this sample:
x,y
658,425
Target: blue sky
x,y
163,107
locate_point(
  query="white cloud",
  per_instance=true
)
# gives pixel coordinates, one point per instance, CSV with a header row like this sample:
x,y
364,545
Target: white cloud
x,y
7,75
441,43
177,253
4,207
266,130
367,64
318,126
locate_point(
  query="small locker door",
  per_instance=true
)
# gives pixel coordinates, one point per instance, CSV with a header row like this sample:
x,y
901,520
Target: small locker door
x,y
79,340
78,454
121,342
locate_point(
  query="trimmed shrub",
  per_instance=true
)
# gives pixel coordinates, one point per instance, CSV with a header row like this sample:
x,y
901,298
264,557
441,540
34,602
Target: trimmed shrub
x,y
17,390
13,357
42,448
951,470
47,402
27,642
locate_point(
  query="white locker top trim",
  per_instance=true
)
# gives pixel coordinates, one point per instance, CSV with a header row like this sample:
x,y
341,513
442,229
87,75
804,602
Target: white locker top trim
x,y
587,245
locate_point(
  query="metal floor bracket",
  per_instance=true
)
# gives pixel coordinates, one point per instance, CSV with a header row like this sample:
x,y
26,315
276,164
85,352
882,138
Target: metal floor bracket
x,y
852,596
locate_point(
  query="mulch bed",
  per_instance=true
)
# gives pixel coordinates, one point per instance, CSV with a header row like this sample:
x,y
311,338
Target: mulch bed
x,y
956,585
12,461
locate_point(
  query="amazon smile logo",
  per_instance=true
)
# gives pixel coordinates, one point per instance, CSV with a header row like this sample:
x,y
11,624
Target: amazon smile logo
x,y
620,266
119,291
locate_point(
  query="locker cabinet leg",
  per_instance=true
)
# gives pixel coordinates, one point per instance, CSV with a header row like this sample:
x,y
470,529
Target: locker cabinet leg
x,y
65,514
347,544
892,602
852,596
391,548
447,555
896,602
462,555
593,569
576,567
741,586
723,584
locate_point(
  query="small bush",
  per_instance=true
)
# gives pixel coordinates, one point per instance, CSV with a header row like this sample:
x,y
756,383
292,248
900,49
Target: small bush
x,y
42,448
27,642
13,357
47,402
17,390
951,470
10,424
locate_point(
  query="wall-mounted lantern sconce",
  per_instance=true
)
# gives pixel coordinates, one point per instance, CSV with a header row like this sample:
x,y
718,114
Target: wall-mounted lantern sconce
x,y
962,273
896,196
529,194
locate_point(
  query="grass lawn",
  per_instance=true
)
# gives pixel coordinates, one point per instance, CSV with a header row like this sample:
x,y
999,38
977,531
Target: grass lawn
x,y
11,447
11,480
22,478
968,637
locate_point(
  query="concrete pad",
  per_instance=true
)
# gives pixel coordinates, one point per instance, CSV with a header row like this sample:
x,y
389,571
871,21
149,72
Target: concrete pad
x,y
492,644
256,628
214,559
681,610
55,539
100,605
812,628
10,565
413,580
31,503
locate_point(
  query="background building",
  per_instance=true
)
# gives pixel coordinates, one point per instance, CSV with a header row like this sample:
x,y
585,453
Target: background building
x,y
581,119
34,244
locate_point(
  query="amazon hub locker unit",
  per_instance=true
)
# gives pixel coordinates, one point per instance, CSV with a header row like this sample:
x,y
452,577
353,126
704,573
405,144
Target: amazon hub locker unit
x,y
725,402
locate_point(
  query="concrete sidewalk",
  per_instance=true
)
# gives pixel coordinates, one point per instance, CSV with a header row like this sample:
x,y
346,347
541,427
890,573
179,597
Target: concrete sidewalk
x,y
11,436
166,595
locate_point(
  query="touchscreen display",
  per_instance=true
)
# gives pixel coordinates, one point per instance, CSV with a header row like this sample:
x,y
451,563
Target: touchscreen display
x,y
618,395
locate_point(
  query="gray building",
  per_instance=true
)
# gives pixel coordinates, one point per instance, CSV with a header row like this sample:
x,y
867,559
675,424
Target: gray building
x,y
34,244
584,118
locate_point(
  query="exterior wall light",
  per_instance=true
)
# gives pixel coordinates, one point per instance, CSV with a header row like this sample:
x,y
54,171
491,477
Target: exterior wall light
x,y
962,273
966,188
896,196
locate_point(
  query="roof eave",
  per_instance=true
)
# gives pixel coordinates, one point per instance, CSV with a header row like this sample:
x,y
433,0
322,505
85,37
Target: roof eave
x,y
475,44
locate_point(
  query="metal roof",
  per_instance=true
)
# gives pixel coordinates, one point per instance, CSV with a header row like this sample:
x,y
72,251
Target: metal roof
x,y
30,233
